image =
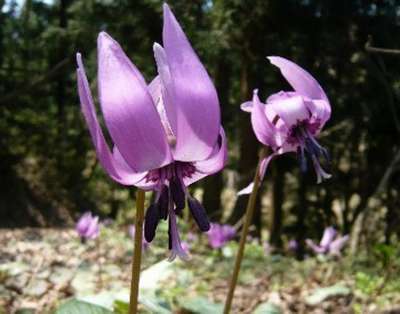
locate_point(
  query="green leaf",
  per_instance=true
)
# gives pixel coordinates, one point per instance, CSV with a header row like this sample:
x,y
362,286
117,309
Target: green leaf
x,y
79,307
200,305
267,308
154,305
321,294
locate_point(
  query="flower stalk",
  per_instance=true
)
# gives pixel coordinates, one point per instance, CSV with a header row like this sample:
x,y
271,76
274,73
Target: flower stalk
x,y
137,252
247,222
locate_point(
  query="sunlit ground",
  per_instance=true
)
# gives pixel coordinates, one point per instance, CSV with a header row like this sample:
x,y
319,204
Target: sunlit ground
x,y
42,268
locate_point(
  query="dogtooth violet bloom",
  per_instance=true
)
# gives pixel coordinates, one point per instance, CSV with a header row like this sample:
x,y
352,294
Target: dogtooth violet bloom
x,y
88,227
219,235
166,135
330,243
290,121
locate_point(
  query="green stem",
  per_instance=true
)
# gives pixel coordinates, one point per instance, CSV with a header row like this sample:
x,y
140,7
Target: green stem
x,y
248,218
137,252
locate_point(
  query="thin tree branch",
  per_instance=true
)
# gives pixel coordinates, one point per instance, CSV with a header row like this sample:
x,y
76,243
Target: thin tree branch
x,y
371,49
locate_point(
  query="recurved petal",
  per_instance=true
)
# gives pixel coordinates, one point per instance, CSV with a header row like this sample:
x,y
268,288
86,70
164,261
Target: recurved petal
x,y
192,106
129,111
139,178
291,110
328,236
263,168
247,106
316,248
337,245
212,164
262,127
300,79
320,110
121,174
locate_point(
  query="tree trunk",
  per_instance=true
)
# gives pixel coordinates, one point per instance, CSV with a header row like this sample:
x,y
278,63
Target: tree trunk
x,y
276,210
248,153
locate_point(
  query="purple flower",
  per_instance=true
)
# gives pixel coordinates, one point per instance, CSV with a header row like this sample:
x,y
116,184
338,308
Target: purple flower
x,y
219,235
290,121
330,243
166,135
131,232
293,245
88,227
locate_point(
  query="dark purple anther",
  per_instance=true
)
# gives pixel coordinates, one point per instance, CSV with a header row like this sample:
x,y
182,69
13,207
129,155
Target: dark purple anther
x,y
199,214
151,222
163,203
178,194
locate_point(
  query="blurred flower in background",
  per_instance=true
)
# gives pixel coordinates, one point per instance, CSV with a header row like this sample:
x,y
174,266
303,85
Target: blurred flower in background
x,y
330,244
219,235
293,245
88,227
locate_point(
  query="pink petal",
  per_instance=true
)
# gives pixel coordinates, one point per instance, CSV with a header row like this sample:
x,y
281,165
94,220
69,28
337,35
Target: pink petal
x,y
291,110
157,91
120,174
263,128
300,79
140,177
337,245
247,190
263,168
192,103
328,236
316,248
320,110
129,112
247,106
211,165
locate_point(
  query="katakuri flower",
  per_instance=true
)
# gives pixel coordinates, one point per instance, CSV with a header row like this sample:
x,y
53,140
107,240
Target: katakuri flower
x,y
166,135
219,235
290,121
88,227
330,243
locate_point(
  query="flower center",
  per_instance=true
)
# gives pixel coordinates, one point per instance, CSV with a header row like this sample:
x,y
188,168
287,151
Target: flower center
x,y
308,148
170,201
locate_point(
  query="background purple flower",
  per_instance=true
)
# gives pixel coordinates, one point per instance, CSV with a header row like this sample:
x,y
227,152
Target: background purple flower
x,y
88,227
331,243
219,235
293,245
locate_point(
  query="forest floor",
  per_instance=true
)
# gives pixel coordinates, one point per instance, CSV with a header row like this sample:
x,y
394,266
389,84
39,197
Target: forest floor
x,y
42,268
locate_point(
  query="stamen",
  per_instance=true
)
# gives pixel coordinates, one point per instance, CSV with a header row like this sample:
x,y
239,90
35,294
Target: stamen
x,y
151,222
321,174
199,214
177,193
302,158
163,203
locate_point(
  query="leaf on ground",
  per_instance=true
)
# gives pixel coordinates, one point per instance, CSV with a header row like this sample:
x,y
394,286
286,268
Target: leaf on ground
x,y
80,307
321,294
154,305
267,308
201,305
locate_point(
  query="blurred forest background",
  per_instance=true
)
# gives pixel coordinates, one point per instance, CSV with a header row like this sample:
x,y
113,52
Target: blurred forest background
x,y
49,173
